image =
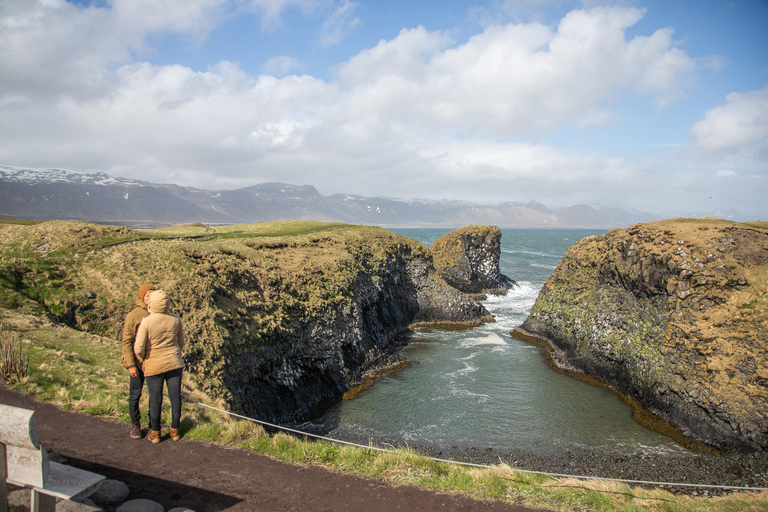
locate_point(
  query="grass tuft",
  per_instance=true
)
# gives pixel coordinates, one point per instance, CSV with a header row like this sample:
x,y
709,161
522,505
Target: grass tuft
x,y
14,360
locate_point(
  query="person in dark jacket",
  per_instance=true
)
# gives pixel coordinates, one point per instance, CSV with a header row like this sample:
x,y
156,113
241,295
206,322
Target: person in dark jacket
x,y
130,327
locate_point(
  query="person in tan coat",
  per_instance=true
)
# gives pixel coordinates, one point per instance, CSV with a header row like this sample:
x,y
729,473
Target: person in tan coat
x,y
159,341
130,327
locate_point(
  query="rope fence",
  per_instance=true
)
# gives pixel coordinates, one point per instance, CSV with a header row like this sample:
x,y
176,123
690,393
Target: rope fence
x,y
484,466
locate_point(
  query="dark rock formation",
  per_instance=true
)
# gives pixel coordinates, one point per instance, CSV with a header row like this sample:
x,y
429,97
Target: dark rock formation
x,y
673,314
320,358
468,259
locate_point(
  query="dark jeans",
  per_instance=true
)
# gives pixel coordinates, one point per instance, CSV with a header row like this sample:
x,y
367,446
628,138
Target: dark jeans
x,y
155,388
134,395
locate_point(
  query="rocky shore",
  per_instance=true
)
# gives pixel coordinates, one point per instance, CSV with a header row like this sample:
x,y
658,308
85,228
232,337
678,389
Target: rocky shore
x,y
731,470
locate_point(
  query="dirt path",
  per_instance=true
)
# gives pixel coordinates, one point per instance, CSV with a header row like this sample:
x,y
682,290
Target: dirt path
x,y
213,478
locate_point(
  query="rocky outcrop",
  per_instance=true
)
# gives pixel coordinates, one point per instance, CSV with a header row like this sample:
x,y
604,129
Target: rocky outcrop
x,y
468,259
316,356
279,318
674,315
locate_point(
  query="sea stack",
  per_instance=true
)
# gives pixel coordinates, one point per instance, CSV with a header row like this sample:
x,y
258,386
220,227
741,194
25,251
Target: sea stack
x,y
468,259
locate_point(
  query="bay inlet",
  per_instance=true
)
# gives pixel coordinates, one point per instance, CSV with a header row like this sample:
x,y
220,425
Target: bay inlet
x,y
483,389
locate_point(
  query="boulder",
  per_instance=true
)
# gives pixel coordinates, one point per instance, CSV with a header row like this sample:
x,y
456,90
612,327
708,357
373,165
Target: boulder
x,y
110,492
140,505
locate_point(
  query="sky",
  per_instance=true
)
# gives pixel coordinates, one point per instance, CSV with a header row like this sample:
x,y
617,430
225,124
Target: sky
x,y
654,105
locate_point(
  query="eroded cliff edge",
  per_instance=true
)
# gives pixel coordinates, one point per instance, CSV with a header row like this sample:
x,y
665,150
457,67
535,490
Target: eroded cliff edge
x,y
279,317
673,314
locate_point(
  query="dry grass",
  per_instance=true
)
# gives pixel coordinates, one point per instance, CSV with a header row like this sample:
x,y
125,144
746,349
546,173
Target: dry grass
x,y
14,359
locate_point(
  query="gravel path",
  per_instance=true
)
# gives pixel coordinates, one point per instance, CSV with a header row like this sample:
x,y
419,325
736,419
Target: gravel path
x,y
213,478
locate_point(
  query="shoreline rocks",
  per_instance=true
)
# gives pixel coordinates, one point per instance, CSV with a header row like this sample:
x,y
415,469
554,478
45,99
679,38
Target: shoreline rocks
x,y
674,315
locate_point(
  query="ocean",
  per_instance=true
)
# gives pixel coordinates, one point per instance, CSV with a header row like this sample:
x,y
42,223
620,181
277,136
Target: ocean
x,y
483,389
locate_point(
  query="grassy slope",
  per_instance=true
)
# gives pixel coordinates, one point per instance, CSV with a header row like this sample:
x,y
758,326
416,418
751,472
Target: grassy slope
x,y
81,371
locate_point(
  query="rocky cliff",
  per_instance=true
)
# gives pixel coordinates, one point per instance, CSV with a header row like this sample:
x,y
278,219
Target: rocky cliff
x,y
468,259
674,315
279,317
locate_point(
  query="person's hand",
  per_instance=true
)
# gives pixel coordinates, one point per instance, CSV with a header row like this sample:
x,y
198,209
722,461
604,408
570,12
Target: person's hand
x,y
133,372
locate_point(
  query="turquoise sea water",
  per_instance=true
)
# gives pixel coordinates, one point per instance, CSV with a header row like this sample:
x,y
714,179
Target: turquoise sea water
x,y
482,388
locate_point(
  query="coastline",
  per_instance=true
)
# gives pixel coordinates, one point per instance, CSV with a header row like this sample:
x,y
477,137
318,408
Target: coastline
x,y
694,464
737,470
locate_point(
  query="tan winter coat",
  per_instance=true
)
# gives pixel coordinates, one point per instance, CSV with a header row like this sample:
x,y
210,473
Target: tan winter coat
x,y
130,328
160,338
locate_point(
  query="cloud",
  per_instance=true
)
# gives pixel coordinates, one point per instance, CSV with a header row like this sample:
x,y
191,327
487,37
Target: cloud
x,y
418,115
739,126
339,23
516,79
726,173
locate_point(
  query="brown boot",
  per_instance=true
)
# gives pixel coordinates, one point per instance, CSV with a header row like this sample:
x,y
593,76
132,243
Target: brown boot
x,y
175,434
135,431
154,436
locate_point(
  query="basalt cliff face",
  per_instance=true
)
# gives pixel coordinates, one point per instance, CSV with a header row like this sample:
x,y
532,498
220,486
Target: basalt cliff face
x,y
468,259
674,315
279,317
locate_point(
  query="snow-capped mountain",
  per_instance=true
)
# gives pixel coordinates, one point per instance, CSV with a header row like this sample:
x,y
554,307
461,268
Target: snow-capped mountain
x,y
46,194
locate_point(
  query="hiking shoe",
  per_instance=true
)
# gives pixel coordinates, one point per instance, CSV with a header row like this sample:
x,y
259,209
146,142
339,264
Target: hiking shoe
x,y
154,436
175,434
136,432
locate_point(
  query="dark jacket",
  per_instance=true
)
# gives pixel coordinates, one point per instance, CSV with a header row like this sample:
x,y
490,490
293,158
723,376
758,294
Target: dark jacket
x,y
130,327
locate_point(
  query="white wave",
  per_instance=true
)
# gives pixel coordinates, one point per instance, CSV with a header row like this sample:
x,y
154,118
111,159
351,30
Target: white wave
x,y
468,368
490,339
531,253
541,265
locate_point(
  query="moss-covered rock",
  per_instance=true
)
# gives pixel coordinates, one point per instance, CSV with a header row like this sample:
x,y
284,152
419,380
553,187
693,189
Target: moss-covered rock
x,y
674,315
468,259
279,317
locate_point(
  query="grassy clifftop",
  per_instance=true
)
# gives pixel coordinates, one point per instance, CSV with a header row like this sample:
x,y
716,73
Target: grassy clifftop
x,y
85,274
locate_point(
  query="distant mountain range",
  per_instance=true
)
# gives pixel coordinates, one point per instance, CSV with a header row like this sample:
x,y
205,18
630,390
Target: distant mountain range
x,y
47,194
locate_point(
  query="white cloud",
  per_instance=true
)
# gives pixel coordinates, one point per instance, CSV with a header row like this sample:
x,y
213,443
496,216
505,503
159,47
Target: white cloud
x,y
726,173
339,23
518,78
741,125
417,115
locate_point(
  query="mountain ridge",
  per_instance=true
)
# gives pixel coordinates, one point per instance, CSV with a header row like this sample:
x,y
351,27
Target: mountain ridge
x,y
50,194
